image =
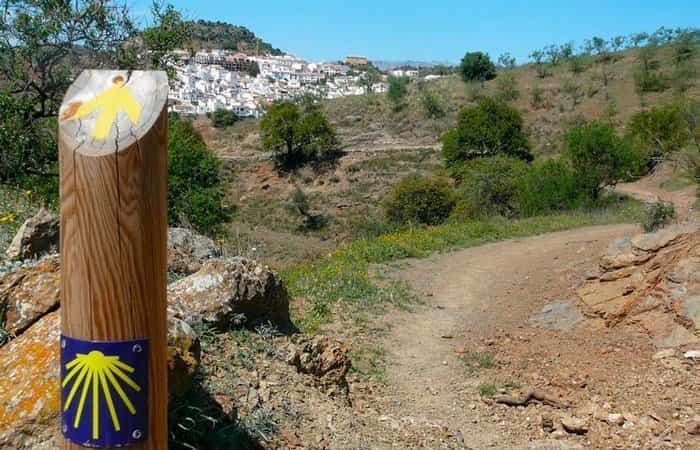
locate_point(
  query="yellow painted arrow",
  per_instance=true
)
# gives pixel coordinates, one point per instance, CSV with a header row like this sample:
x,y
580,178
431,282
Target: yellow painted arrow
x,y
115,98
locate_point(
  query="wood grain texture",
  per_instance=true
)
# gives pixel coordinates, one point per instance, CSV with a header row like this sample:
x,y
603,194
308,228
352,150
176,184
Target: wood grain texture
x,y
114,230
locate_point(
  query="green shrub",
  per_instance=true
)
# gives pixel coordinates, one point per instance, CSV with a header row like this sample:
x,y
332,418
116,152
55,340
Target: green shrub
x,y
296,135
550,186
537,99
507,87
659,130
432,105
195,188
222,118
599,156
650,81
477,66
420,200
490,128
657,216
298,204
398,88
488,186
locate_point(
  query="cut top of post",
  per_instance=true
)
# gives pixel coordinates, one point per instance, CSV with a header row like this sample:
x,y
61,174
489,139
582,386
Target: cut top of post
x,y
105,111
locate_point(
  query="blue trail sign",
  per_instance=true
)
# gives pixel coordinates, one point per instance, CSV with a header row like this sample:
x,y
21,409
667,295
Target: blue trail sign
x,y
104,392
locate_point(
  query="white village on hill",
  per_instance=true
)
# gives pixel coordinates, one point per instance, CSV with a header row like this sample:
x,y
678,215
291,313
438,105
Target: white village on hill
x,y
207,81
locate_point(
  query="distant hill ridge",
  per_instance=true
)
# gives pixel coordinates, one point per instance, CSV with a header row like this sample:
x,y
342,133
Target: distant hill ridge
x,y
208,35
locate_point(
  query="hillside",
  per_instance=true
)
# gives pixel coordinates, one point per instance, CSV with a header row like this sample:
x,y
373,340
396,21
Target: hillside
x,y
369,122
382,146
208,34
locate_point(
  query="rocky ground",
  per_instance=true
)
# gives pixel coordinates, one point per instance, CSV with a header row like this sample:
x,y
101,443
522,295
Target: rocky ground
x,y
580,339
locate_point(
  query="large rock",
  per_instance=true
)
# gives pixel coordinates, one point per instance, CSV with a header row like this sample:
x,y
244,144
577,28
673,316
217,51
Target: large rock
x,y
326,360
29,393
222,290
652,279
187,250
37,235
29,293
29,370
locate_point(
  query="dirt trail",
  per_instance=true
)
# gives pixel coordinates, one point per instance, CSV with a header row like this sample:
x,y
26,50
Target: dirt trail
x,y
469,295
472,296
648,190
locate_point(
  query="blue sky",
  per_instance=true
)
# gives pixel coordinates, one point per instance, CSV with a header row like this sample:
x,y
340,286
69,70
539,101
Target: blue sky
x,y
435,30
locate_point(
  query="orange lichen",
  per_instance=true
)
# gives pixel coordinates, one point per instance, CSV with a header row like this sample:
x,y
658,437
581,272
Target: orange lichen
x,y
30,366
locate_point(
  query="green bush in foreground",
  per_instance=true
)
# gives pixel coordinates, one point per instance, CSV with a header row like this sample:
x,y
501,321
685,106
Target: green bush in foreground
x,y
195,188
550,186
657,216
488,186
420,200
599,156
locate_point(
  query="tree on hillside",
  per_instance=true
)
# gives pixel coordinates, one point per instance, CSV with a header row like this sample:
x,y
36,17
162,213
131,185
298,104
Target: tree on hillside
x,y
297,136
487,129
553,53
659,130
43,46
637,39
647,77
617,43
398,88
538,57
506,60
477,66
195,187
599,156
222,118
369,78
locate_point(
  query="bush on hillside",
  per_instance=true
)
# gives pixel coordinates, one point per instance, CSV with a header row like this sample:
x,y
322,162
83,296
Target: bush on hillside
x,y
477,66
298,204
398,88
657,216
659,130
297,136
550,186
488,186
649,81
222,118
432,104
599,156
420,200
507,87
195,188
488,129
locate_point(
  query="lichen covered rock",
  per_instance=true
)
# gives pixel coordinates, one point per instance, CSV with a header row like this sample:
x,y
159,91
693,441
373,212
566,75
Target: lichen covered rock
x,y
29,393
29,368
187,250
184,354
224,289
28,293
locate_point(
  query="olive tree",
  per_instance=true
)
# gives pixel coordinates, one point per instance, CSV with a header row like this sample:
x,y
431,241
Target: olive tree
x,y
477,66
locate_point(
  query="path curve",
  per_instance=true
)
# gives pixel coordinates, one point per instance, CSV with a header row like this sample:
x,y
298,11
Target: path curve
x,y
469,294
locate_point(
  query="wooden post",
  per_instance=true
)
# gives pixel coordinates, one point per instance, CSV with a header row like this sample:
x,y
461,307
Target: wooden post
x,y
113,172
